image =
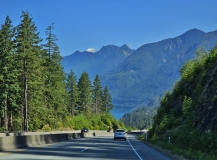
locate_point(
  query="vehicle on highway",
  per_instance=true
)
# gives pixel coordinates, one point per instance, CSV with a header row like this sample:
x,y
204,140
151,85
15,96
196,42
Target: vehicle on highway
x,y
120,134
83,130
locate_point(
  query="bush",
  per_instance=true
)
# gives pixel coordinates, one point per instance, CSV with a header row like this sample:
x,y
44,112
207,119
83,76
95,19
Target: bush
x,y
3,129
46,128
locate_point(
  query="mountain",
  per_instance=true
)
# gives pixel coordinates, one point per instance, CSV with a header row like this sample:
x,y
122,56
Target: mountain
x,y
96,63
144,76
140,77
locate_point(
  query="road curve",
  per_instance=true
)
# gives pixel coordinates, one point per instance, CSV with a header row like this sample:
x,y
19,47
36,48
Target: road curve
x,y
92,148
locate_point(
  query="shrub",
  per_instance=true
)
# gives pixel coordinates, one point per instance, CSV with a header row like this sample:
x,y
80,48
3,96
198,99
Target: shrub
x,y
46,128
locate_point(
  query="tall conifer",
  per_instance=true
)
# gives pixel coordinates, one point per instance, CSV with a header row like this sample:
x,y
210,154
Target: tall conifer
x,y
97,95
28,54
9,87
73,93
107,100
55,86
85,99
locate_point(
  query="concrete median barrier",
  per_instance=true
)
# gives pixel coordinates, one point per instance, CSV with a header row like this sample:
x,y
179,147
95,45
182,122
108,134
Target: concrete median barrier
x,y
22,139
12,142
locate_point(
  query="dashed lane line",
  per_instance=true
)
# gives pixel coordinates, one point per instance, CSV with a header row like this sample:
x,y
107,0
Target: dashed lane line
x,y
83,149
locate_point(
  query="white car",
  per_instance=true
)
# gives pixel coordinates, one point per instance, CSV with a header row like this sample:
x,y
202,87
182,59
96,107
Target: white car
x,y
120,134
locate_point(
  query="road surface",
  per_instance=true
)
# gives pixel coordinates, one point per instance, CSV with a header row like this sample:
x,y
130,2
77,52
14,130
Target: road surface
x,y
92,148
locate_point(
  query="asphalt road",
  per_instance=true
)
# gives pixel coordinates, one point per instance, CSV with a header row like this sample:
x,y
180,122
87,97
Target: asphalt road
x,y
91,148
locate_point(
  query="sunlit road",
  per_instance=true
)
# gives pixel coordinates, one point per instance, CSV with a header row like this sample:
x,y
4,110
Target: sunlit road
x,y
87,148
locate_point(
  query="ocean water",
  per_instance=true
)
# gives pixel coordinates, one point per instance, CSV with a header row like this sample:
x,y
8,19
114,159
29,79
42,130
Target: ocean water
x,y
118,113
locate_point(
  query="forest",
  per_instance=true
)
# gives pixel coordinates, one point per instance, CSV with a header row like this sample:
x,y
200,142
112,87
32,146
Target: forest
x,y
185,122
35,92
139,118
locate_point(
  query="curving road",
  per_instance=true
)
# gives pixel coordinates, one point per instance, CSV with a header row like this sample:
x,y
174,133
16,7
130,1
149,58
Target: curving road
x,y
91,148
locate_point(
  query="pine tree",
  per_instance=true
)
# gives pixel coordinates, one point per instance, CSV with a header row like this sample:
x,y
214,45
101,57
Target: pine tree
x,y
28,52
97,95
85,100
73,93
9,87
107,100
55,86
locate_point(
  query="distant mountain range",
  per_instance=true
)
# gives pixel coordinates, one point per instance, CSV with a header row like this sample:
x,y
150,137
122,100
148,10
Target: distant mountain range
x,y
140,77
96,63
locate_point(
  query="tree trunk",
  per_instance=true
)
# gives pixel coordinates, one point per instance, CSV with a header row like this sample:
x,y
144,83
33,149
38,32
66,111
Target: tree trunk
x,y
11,123
6,115
25,98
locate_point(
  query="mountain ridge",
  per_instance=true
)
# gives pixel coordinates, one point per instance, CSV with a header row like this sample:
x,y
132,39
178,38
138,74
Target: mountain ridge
x,y
143,75
98,62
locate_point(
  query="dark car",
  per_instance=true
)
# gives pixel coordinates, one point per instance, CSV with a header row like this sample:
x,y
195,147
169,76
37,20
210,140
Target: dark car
x,y
83,130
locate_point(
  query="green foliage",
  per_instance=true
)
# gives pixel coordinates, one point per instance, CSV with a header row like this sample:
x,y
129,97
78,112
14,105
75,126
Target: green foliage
x,y
140,118
211,57
107,119
28,55
97,95
9,83
187,106
193,67
73,93
84,87
3,129
36,94
46,128
177,115
94,122
106,100
80,121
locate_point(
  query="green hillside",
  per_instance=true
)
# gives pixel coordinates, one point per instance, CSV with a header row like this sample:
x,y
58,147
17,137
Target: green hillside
x,y
188,115
140,118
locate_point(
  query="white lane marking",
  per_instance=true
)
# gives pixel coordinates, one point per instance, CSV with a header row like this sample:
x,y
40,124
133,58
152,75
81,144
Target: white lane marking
x,y
83,149
134,150
95,143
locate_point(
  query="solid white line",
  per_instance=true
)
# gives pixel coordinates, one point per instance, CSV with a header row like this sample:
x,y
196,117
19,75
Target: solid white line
x,y
95,143
134,150
83,149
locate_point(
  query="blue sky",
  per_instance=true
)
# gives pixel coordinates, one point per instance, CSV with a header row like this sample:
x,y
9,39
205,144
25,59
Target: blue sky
x,y
83,24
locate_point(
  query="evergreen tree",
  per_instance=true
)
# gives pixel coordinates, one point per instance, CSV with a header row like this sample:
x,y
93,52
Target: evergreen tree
x,y
97,95
29,59
9,87
55,86
106,100
85,100
73,92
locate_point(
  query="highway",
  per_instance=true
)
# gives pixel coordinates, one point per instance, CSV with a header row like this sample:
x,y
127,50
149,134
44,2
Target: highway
x,y
91,148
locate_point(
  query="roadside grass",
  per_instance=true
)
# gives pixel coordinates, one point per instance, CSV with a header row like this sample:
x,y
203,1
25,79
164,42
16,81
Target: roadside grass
x,y
188,154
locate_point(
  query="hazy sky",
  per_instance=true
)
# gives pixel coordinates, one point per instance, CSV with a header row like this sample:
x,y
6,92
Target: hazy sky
x,y
91,24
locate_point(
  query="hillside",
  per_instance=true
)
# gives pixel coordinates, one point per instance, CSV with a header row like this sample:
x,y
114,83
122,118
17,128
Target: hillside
x,y
139,118
188,114
144,76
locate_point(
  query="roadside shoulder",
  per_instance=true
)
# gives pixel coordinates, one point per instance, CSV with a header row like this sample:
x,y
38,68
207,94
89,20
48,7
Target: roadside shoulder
x,y
164,151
